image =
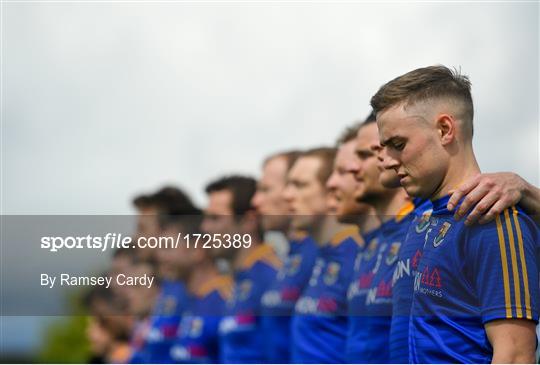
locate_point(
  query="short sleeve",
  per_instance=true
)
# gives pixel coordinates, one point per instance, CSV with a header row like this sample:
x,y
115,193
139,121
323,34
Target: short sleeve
x,y
504,269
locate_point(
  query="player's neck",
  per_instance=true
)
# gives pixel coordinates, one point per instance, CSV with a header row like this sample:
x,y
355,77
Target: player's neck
x,y
327,228
201,274
368,221
461,167
389,205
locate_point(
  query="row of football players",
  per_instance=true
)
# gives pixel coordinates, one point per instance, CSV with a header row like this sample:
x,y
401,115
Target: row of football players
x,y
386,261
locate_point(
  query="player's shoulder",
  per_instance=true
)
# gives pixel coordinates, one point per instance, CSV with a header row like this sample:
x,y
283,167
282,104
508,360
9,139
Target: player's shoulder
x,y
348,235
511,226
219,287
262,257
512,218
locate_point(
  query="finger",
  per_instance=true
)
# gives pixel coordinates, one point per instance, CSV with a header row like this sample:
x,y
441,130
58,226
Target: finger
x,y
495,210
481,208
471,199
461,191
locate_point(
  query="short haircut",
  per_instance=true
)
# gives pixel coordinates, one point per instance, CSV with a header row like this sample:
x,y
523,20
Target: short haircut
x,y
326,155
433,82
184,223
289,156
142,201
242,189
349,134
167,200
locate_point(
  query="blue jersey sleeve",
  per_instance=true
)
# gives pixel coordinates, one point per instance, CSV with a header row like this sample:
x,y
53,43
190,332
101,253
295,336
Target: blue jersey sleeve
x,y
504,267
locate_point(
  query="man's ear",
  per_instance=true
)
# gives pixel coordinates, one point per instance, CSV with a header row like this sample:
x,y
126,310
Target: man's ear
x,y
446,127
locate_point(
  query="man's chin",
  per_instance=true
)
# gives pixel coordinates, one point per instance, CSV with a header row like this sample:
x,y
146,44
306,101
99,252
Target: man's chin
x,y
390,183
415,191
348,218
359,196
275,222
303,222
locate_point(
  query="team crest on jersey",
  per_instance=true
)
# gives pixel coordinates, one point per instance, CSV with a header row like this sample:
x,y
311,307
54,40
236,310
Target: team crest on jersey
x,y
291,267
332,273
392,255
371,249
196,326
423,222
294,264
244,289
442,233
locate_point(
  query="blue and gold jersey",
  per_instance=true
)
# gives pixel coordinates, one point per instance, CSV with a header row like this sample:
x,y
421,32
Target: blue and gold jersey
x,y
364,271
156,336
279,300
197,337
371,294
137,343
403,281
467,277
319,326
241,337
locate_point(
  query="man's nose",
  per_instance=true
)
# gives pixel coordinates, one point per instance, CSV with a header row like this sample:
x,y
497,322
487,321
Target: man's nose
x,y
331,183
390,163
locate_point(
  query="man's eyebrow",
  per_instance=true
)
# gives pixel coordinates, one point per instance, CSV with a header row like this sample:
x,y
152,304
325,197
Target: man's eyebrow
x,y
363,151
385,142
390,139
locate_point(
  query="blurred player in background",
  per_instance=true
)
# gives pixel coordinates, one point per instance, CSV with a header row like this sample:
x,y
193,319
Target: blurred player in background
x,y
197,338
176,215
279,300
319,324
370,295
122,260
254,266
342,185
268,199
141,300
109,326
476,288
149,207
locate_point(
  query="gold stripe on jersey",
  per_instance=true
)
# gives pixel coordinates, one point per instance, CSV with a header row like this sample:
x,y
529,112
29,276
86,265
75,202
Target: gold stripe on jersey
x,y
345,233
262,252
504,263
220,283
298,235
515,271
523,265
404,211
